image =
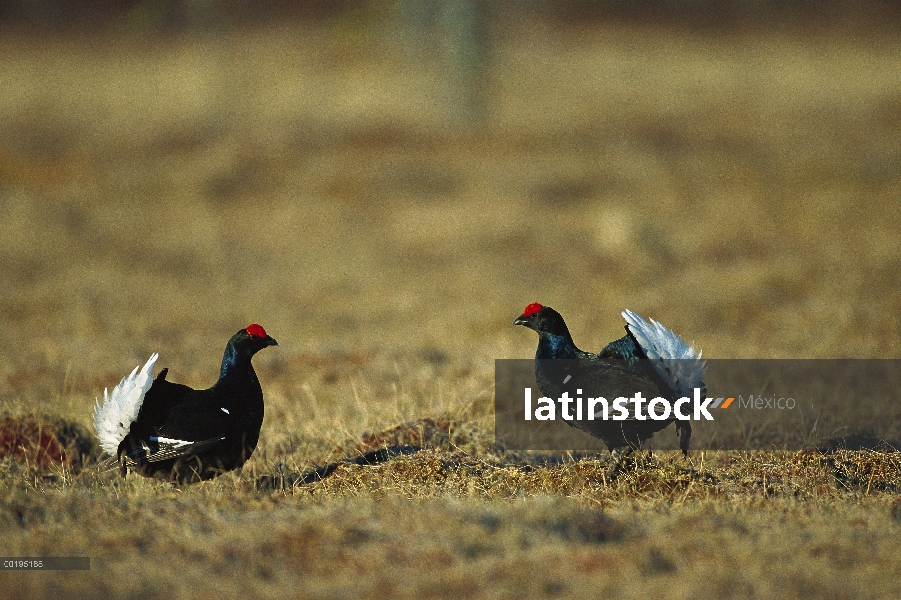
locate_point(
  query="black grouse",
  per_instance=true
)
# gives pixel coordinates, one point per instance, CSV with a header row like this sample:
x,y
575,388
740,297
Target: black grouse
x,y
167,430
649,358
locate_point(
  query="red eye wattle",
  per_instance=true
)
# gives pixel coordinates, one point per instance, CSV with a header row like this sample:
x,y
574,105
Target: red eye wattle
x,y
531,309
256,331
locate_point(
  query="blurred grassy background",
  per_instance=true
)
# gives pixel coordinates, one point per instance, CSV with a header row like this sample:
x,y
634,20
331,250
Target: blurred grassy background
x,y
320,176
384,186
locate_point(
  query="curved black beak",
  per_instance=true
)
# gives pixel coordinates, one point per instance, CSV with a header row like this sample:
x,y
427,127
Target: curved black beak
x,y
270,341
521,320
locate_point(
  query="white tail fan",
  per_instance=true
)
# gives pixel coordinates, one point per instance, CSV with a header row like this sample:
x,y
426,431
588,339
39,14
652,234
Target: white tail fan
x,y
119,410
674,360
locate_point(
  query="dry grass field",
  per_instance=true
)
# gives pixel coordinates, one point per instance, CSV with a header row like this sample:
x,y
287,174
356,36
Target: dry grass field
x,y
159,192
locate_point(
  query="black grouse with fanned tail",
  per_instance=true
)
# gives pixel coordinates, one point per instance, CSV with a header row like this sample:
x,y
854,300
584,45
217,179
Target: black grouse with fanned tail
x,y
649,359
157,428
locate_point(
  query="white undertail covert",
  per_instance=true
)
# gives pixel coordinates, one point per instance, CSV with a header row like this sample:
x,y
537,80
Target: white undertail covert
x,y
120,409
674,360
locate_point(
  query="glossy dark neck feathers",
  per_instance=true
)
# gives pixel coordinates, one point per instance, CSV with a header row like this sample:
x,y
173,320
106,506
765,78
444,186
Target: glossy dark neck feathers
x,y
554,339
235,362
556,346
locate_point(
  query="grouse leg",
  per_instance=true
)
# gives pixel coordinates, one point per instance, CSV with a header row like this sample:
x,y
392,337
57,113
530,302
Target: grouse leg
x,y
617,456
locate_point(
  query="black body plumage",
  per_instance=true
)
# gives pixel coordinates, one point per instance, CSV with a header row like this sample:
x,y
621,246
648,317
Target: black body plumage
x,y
622,368
189,435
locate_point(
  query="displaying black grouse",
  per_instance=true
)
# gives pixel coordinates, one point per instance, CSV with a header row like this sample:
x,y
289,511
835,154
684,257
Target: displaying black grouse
x,y
161,429
649,359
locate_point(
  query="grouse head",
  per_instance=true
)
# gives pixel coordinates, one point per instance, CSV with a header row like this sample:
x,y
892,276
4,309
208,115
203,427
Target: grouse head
x,y
248,342
542,319
251,340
